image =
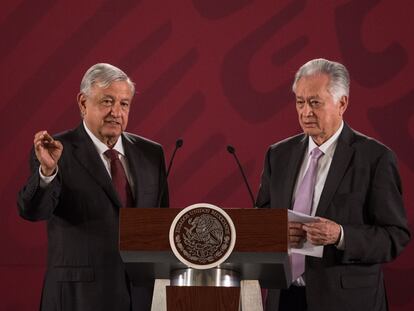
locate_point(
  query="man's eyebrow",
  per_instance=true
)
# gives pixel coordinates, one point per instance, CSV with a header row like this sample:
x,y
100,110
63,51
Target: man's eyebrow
x,y
309,97
314,97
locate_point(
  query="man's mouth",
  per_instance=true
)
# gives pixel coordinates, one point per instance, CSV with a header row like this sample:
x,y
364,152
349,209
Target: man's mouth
x,y
308,123
112,122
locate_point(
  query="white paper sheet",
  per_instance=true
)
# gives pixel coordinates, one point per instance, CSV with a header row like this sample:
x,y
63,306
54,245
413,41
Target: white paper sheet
x,y
307,248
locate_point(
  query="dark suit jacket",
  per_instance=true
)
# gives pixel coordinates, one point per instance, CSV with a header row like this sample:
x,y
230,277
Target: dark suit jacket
x,y
362,192
84,268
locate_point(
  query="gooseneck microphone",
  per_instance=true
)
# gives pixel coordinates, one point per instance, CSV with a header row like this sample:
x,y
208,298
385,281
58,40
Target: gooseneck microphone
x,y
232,151
178,144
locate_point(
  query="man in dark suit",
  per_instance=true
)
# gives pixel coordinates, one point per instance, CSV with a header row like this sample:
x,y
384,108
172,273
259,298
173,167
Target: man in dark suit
x,y
79,181
355,192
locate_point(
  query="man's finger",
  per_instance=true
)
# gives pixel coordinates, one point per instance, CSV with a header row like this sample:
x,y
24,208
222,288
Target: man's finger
x,y
46,138
294,238
295,231
37,145
308,229
315,226
37,136
58,144
295,225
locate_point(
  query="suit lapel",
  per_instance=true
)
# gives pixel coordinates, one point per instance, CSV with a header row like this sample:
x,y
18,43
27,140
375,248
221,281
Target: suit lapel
x,y
340,162
293,167
87,156
133,156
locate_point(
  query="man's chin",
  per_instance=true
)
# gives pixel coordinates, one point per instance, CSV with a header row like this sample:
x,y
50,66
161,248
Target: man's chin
x,y
111,135
313,132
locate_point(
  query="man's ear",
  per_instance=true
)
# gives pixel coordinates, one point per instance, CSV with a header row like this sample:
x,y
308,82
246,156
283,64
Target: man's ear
x,y
81,98
343,104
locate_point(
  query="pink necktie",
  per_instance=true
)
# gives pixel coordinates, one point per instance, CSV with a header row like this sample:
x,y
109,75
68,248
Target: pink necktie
x,y
303,204
119,179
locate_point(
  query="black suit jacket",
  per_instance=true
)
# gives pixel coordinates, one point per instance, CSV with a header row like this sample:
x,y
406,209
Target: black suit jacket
x,y
362,192
84,268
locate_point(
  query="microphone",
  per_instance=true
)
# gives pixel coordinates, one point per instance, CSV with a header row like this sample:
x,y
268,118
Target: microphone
x,y
178,144
232,151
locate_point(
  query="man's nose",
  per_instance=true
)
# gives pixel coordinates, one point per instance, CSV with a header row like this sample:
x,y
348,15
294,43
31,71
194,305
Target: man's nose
x,y
116,110
307,110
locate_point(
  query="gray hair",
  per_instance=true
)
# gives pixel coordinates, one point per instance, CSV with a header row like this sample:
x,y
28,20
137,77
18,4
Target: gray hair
x,y
338,74
103,75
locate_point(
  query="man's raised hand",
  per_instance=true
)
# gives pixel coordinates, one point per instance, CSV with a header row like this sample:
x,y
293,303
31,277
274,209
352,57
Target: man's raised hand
x,y
48,152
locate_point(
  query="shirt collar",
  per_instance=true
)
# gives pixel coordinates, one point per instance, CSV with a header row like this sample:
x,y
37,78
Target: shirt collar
x,y
327,147
100,146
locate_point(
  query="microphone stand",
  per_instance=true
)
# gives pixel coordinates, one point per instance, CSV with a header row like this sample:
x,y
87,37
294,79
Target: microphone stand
x,y
232,151
178,144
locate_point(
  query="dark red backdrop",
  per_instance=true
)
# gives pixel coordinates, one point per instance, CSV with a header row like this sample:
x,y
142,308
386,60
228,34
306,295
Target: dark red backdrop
x,y
213,72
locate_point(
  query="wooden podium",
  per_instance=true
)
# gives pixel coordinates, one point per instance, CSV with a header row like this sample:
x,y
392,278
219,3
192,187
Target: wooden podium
x,y
260,254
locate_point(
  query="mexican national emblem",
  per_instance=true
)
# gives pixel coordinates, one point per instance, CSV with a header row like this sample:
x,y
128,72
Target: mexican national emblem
x,y
202,236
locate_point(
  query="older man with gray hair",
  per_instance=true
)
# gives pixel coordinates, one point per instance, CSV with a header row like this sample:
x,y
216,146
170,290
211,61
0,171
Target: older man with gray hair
x,y
79,180
350,182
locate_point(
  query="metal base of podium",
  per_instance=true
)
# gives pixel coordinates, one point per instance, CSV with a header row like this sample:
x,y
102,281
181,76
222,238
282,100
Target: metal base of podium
x,y
250,294
210,277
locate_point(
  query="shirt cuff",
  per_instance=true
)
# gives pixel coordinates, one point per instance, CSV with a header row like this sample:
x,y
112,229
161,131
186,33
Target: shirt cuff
x,y
341,243
45,180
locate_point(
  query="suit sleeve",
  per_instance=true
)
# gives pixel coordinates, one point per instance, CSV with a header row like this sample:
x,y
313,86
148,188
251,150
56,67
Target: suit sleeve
x,y
36,203
384,233
263,196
